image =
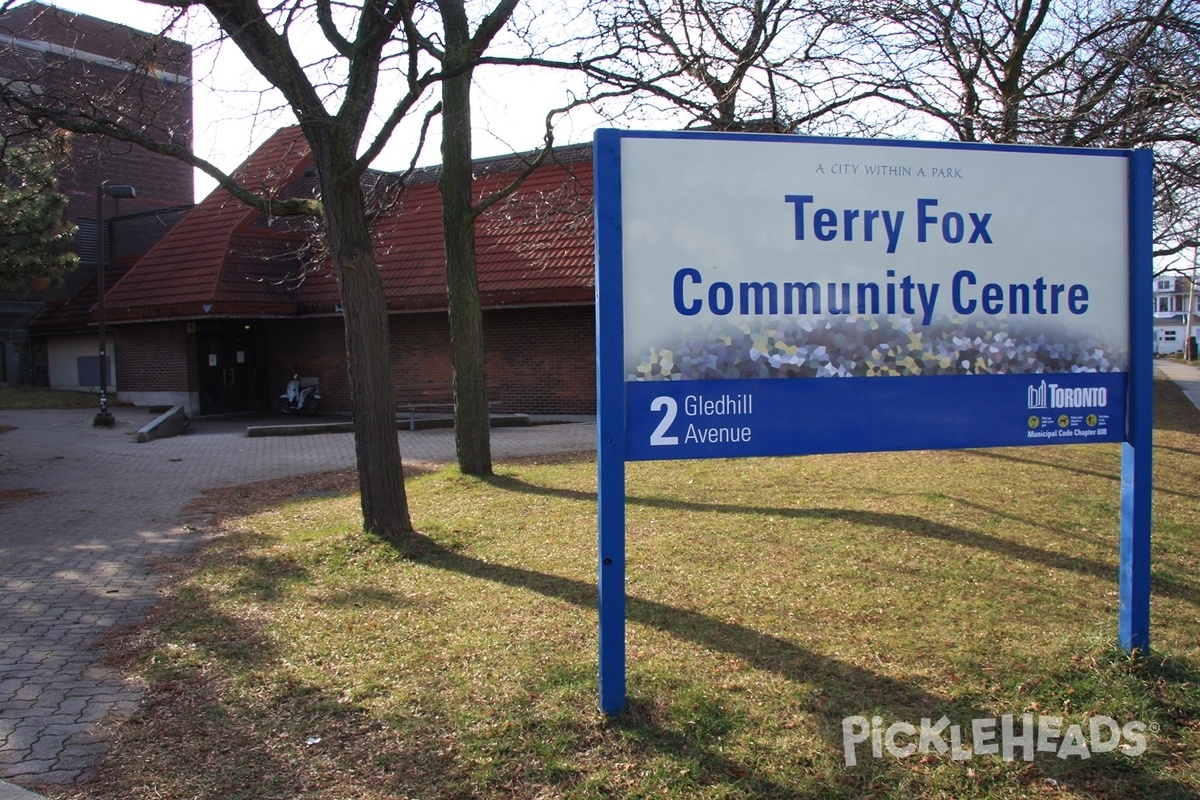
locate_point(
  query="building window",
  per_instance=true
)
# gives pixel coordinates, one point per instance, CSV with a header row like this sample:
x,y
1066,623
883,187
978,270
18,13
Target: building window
x,y
1168,304
1169,336
1164,284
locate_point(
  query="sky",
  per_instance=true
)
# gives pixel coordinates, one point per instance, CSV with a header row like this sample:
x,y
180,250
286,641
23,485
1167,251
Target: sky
x,y
228,95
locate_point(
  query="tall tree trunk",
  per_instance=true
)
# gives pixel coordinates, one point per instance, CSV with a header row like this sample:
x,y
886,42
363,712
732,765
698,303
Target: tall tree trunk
x,y
368,355
472,434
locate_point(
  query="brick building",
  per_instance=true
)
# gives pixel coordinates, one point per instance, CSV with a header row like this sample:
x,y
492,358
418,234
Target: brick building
x,y
216,307
98,68
230,303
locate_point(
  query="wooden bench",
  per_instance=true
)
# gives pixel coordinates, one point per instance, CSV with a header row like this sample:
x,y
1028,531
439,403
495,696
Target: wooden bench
x,y
430,397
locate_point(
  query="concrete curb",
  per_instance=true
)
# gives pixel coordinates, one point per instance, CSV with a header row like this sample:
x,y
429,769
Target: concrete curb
x,y
414,424
254,431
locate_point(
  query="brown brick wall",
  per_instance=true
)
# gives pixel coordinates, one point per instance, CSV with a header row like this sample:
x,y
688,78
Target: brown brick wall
x,y
543,358
155,357
89,85
160,181
540,360
314,347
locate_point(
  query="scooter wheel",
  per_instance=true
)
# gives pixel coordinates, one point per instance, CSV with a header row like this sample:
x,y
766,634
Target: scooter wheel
x,y
311,406
285,406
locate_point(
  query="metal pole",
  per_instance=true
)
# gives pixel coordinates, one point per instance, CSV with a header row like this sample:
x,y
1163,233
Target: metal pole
x,y
1191,307
103,418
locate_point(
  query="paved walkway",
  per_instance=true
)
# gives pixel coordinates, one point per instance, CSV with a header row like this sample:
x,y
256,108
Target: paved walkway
x,y
84,511
1185,374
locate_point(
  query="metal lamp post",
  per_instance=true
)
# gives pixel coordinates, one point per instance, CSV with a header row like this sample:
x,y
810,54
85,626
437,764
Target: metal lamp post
x,y
104,418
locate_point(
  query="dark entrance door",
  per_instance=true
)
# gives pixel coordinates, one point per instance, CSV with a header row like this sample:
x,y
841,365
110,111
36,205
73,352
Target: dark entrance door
x,y
232,364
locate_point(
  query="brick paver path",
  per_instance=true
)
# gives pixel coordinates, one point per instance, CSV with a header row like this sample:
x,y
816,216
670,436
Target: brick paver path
x,y
84,510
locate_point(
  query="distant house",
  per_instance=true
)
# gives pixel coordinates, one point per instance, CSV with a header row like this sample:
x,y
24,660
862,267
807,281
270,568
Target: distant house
x,y
230,303
50,337
1173,296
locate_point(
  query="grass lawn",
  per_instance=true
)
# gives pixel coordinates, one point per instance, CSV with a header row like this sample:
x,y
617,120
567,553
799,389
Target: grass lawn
x,y
769,600
26,397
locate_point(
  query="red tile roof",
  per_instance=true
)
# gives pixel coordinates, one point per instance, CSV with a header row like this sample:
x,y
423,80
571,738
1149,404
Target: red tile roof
x,y
534,248
216,261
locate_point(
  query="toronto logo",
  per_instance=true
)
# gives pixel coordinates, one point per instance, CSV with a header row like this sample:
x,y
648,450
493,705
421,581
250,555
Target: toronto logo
x,y
1051,395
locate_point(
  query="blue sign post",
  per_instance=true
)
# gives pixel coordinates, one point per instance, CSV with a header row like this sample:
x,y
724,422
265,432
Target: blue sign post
x,y
778,295
610,447
1133,626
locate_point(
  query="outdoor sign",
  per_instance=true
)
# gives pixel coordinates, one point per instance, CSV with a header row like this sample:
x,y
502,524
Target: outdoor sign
x,y
765,295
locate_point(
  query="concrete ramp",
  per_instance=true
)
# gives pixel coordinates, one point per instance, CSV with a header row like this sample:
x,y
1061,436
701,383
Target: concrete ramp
x,y
169,423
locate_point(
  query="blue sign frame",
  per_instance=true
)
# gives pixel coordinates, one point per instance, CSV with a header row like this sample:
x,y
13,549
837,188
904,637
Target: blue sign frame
x,y
740,415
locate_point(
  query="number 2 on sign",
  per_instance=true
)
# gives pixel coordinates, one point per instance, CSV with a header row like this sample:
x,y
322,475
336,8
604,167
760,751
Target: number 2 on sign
x,y
667,404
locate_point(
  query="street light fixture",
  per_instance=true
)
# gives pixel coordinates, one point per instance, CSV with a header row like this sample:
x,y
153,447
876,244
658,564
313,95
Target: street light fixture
x,y
104,418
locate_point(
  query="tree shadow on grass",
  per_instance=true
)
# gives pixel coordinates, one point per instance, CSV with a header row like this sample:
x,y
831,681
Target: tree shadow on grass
x,y
395,745
1009,455
199,735
1163,686
640,723
846,689
194,721
219,719
1114,477
905,523
760,650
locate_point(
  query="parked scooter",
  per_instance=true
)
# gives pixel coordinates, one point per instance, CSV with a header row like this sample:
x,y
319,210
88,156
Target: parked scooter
x,y
306,400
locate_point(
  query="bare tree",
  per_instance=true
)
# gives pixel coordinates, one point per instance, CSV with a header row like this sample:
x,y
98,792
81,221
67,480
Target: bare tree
x,y
763,65
459,53
336,94
1074,73
334,118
